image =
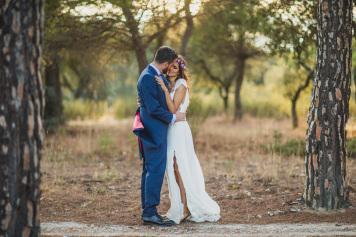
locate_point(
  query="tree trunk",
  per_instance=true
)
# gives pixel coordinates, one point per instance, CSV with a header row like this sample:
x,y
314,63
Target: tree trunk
x,y
54,107
137,44
296,96
224,94
239,79
189,28
141,58
325,159
226,103
21,113
355,82
294,114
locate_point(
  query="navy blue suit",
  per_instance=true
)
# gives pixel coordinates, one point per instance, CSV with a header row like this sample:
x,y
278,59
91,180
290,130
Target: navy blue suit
x,y
156,119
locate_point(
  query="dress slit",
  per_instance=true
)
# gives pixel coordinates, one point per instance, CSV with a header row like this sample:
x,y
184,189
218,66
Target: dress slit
x,y
175,163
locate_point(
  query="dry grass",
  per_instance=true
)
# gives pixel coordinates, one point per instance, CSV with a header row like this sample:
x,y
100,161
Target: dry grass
x,y
91,173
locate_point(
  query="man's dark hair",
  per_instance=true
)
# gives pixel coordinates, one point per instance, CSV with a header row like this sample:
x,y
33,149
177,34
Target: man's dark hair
x,y
165,54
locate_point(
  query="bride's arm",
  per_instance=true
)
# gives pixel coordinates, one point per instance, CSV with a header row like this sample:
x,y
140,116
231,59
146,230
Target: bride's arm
x,y
178,96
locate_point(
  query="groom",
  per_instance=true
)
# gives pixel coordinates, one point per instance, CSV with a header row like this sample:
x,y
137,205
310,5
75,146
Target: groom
x,y
156,119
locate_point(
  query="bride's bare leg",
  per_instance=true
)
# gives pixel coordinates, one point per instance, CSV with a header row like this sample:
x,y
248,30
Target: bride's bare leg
x,y
181,187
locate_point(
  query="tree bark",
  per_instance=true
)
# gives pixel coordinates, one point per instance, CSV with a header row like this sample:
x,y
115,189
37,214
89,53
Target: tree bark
x,y
21,113
224,95
325,159
189,28
355,82
54,107
294,113
226,102
239,79
137,43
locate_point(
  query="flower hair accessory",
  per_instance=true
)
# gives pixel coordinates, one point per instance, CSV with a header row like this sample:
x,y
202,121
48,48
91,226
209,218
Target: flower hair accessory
x,y
181,63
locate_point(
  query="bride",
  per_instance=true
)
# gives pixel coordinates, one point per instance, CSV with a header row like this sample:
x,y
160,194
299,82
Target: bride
x,y
189,200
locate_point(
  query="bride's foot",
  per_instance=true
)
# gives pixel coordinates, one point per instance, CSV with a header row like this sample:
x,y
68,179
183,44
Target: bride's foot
x,y
185,217
186,214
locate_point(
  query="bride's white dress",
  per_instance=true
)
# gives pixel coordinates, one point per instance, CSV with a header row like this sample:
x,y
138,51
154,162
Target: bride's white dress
x,y
180,144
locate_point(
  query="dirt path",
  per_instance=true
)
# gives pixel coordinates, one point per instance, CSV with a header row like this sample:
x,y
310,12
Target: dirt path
x,y
79,229
91,174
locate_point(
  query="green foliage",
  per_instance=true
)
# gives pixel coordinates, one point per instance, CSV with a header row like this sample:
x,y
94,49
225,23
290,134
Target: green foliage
x,y
351,147
292,28
197,113
264,109
277,137
293,78
124,108
84,109
223,33
293,147
53,124
269,100
296,147
105,143
88,45
88,79
352,106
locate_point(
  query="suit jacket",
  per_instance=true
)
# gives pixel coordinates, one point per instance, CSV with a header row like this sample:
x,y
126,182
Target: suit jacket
x,y
154,112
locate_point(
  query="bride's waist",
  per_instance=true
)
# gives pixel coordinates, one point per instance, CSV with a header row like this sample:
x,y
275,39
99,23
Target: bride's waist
x,y
179,123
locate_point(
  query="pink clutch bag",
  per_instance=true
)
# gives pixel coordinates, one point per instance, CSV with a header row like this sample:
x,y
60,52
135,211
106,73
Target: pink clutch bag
x,y
137,123
137,126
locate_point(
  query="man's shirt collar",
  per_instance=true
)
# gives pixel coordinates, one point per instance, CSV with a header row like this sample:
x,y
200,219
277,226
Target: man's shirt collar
x,y
155,68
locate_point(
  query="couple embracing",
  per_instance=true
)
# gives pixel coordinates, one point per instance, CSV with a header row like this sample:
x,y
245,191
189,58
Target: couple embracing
x,y
166,144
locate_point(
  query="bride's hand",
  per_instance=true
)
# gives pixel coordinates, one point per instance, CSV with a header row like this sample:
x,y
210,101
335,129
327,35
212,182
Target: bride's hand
x,y
161,83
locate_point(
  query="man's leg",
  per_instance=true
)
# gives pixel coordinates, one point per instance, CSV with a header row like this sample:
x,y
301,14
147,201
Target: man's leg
x,y
155,165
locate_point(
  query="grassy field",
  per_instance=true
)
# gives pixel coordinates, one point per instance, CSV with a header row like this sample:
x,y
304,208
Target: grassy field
x,y
91,173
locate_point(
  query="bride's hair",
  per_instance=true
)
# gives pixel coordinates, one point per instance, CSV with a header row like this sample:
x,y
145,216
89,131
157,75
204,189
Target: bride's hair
x,y
183,70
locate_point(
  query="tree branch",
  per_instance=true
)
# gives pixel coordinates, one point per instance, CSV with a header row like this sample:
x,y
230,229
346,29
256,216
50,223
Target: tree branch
x,y
209,73
303,86
165,27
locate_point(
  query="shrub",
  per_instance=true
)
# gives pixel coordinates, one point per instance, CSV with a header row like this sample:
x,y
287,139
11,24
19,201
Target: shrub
x,y
291,147
351,147
352,107
297,146
84,109
106,144
294,147
125,108
264,109
197,113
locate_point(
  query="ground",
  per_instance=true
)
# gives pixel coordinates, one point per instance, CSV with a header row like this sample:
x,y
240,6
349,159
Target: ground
x,y
203,230
91,174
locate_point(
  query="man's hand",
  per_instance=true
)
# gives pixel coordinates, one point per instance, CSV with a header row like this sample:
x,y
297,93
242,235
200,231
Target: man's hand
x,y
180,116
138,101
160,82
